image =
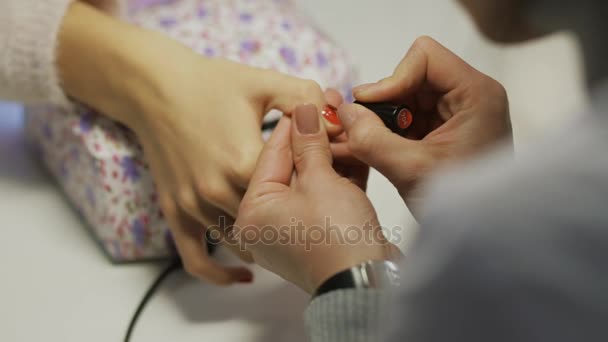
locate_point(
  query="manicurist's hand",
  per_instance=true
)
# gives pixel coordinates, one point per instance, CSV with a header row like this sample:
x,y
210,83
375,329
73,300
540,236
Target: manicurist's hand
x,y
299,217
458,112
198,119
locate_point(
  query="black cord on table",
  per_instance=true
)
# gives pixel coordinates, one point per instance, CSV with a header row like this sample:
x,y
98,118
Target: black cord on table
x,y
269,125
173,266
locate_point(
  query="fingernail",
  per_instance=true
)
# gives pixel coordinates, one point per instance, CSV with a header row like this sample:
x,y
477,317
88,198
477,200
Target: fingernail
x,y
307,119
363,88
330,114
246,279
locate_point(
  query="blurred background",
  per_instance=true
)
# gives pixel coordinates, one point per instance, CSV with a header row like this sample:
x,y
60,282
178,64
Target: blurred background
x,y
58,284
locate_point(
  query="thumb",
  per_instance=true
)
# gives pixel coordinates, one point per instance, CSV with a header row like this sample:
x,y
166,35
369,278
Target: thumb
x,y
284,93
427,64
309,143
370,141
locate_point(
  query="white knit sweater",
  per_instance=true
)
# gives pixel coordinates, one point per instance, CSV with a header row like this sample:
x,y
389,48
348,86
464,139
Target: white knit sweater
x,y
28,41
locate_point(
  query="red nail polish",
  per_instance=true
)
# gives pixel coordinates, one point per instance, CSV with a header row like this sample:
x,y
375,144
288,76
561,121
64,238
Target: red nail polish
x,y
330,114
246,279
398,118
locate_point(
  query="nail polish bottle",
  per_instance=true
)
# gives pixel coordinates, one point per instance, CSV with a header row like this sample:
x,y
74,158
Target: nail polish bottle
x,y
398,118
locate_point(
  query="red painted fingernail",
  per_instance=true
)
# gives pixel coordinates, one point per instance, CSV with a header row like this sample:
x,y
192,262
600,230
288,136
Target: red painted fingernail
x,y
246,279
330,114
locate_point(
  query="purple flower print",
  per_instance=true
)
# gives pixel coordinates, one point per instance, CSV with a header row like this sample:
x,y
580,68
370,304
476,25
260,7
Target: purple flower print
x,y
209,52
321,59
168,22
47,131
348,92
129,168
169,242
139,231
114,247
286,25
74,154
250,46
64,172
289,56
90,196
246,17
135,5
202,12
86,122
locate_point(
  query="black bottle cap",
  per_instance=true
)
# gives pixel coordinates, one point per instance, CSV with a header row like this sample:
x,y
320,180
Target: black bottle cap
x,y
396,117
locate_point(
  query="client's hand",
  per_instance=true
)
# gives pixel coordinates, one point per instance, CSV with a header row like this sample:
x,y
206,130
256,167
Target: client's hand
x,y
458,112
300,218
198,119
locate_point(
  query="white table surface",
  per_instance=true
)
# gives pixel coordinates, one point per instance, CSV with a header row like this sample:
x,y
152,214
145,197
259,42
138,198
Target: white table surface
x,y
56,285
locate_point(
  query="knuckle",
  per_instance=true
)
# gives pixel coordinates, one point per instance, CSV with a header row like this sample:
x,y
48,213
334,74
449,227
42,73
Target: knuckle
x,y
187,200
489,86
196,269
498,89
244,212
212,191
193,268
244,168
423,42
167,204
314,149
361,140
310,89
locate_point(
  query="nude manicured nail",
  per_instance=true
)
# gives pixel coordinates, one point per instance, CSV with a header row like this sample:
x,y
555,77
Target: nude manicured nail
x,y
307,119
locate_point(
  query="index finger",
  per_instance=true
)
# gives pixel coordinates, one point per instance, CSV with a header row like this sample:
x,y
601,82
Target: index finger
x,y
275,163
426,64
188,237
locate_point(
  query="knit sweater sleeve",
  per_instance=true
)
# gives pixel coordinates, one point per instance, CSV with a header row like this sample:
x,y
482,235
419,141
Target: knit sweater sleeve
x,y
28,41
354,315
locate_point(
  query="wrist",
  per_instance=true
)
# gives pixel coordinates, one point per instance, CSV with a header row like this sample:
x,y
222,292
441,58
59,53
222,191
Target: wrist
x,y
331,266
102,63
365,275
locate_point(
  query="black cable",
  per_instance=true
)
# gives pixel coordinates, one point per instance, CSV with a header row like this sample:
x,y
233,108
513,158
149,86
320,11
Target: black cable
x,y
176,265
173,266
269,125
